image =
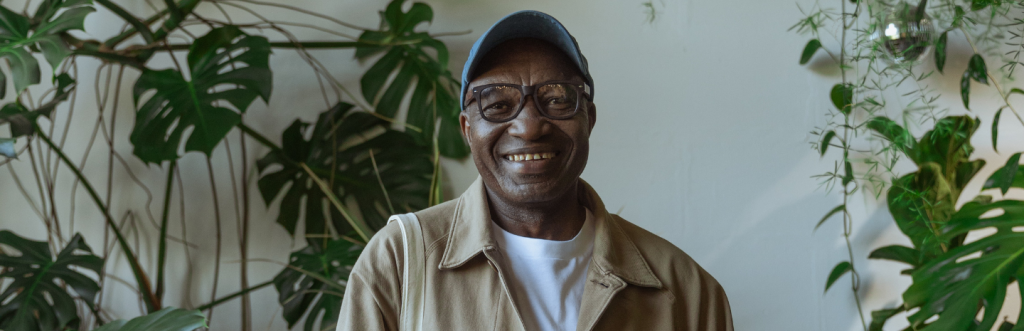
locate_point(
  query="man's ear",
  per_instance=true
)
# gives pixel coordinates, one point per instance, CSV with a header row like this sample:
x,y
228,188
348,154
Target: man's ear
x,y
591,115
464,126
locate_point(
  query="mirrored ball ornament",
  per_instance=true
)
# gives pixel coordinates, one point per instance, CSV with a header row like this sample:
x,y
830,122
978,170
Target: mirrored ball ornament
x,y
903,36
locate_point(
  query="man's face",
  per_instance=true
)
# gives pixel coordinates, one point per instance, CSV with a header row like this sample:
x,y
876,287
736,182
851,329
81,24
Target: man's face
x,y
494,145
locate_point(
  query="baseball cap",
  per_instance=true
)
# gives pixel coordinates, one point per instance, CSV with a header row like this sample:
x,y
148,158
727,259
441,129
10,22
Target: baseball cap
x,y
525,24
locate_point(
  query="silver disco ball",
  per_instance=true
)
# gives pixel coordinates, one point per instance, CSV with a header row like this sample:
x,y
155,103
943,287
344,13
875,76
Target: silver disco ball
x,y
902,37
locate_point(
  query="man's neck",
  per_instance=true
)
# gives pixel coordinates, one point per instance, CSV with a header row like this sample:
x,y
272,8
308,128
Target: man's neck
x,y
560,219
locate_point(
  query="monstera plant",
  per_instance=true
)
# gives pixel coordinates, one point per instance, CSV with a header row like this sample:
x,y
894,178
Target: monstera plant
x,y
339,178
958,284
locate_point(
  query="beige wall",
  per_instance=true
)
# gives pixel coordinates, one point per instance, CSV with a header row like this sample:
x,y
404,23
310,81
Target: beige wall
x,y
702,138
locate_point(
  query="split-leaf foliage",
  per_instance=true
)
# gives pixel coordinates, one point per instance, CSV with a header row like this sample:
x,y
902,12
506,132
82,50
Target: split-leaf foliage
x,y
363,163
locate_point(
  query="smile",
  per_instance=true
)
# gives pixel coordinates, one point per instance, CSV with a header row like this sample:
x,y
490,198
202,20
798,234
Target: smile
x,y
529,156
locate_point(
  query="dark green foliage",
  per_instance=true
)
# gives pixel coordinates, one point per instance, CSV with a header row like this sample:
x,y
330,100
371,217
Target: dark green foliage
x,y
879,317
407,56
180,104
899,254
167,319
977,71
36,298
839,208
921,202
809,50
838,271
995,129
953,284
842,97
825,141
342,140
22,119
310,285
940,51
19,35
1008,172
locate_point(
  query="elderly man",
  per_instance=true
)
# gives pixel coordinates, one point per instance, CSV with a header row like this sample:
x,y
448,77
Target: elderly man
x,y
529,246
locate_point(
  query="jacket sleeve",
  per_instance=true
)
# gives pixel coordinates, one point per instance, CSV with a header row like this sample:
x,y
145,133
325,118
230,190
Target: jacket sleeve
x,y
711,311
374,286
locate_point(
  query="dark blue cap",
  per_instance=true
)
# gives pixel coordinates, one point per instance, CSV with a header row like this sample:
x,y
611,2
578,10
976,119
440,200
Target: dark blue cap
x,y
525,24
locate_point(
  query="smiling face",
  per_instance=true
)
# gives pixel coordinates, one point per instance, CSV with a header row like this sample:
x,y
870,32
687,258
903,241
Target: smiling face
x,y
532,158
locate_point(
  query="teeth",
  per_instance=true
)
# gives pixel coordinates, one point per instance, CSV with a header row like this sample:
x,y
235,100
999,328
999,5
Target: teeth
x,y
529,157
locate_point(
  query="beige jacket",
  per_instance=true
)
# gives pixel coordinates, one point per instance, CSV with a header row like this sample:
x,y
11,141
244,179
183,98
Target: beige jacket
x,y
636,280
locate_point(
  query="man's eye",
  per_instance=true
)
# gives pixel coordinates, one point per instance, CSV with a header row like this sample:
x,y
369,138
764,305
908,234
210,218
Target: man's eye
x,y
557,101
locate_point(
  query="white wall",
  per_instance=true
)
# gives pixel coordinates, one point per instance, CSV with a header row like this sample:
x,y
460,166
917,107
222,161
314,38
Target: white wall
x,y
702,138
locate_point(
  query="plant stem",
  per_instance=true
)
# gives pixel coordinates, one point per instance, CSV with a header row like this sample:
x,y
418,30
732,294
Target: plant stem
x,y
847,221
234,295
151,301
361,228
259,137
131,19
216,217
161,257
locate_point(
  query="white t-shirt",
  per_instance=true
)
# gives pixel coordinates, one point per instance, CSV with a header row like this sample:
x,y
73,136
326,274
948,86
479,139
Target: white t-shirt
x,y
547,276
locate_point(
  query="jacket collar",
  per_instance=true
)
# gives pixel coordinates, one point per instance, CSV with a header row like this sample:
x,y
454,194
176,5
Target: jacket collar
x,y
614,252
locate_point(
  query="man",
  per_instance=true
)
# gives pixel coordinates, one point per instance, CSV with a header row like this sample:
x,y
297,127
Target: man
x,y
530,246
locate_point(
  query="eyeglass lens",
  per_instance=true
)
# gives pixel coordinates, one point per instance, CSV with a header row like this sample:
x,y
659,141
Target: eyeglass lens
x,y
501,103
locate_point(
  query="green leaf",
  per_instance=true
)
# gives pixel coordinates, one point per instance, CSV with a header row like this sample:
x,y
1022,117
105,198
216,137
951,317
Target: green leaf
x,y
34,298
301,287
1009,172
167,319
965,88
958,284
919,14
894,133
879,317
995,129
898,253
408,65
227,67
1016,90
839,270
16,39
22,119
958,17
848,176
940,52
977,69
835,210
842,97
977,5
7,147
405,169
825,141
24,67
809,50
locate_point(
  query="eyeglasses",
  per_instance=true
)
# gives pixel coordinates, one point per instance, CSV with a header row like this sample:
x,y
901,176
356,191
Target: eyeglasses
x,y
503,102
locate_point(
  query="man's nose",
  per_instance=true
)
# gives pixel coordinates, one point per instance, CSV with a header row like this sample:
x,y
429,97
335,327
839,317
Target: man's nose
x,y
530,124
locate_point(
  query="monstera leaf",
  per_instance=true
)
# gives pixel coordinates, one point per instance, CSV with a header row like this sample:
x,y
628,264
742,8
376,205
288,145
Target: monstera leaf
x,y
18,34
975,276
921,202
22,120
310,285
167,319
406,57
342,140
227,67
34,300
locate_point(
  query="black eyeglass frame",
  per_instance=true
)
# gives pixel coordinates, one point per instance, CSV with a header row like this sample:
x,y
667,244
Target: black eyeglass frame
x,y
527,90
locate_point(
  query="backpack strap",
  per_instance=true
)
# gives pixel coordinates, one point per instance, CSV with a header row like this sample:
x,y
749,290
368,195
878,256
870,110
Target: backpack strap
x,y
413,273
